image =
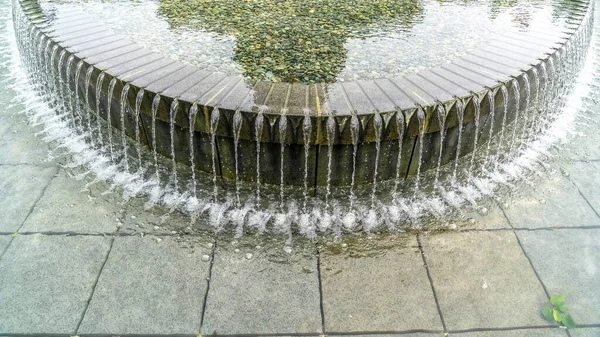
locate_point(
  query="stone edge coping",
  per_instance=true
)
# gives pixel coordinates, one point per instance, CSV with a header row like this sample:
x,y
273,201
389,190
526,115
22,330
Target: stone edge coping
x,y
395,100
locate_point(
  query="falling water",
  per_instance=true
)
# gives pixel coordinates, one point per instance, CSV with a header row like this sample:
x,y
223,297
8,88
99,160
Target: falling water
x,y
504,91
307,132
259,124
67,91
477,107
527,128
59,81
517,96
401,125
331,130
354,132
193,114
88,78
124,93
237,129
77,109
172,118
545,96
378,125
491,102
214,122
282,139
155,103
441,112
111,89
536,113
421,118
138,143
99,83
460,113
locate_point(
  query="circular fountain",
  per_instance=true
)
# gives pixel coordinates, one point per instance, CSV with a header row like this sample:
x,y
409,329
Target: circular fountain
x,y
136,105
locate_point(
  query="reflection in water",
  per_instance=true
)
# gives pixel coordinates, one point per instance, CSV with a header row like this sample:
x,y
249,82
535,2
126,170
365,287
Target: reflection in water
x,y
289,40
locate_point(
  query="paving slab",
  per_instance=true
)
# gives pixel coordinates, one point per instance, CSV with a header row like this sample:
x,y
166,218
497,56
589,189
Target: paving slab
x,y
478,275
568,262
377,286
20,145
47,281
551,332
68,205
269,291
488,216
4,241
138,219
585,332
149,285
586,176
547,203
20,188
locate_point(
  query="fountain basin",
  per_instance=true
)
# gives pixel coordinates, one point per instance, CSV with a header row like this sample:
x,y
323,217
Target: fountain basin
x,y
314,121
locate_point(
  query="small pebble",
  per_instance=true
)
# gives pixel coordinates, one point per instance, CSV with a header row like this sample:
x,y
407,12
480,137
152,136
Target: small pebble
x,y
452,226
344,245
249,256
173,232
133,217
258,247
483,211
472,221
205,258
209,245
236,250
158,239
543,202
156,228
287,249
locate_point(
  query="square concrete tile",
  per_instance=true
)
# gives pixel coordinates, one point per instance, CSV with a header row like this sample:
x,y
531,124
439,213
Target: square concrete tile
x,y
20,188
586,177
585,332
68,206
137,219
491,217
546,206
269,291
149,285
4,241
46,282
550,332
568,262
20,145
478,275
377,286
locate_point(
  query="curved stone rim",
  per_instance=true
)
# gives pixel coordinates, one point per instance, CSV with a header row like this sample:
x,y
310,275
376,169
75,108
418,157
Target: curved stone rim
x,y
390,103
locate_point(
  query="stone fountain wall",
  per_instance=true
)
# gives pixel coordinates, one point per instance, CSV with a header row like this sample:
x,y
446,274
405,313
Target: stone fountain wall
x,y
313,122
